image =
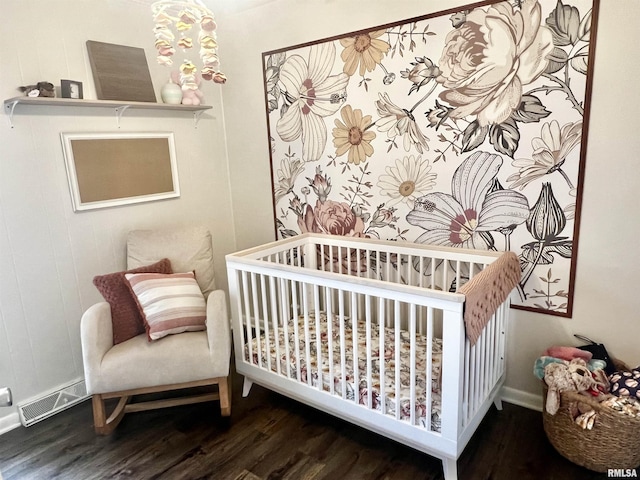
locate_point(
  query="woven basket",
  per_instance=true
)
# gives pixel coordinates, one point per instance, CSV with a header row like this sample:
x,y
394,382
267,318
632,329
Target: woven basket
x,y
613,442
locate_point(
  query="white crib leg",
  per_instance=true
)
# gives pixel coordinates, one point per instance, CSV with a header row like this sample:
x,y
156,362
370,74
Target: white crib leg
x,y
246,386
498,403
450,467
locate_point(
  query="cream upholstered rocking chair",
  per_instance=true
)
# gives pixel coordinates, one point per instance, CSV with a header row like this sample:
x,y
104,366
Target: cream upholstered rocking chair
x,y
118,368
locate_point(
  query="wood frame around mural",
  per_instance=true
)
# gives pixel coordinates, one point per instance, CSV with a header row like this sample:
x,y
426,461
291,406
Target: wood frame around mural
x,y
120,72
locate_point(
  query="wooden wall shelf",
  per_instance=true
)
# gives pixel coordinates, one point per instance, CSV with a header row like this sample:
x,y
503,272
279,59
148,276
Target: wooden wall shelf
x,y
10,105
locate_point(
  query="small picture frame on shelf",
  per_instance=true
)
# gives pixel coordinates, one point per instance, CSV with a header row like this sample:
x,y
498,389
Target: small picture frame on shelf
x,y
71,89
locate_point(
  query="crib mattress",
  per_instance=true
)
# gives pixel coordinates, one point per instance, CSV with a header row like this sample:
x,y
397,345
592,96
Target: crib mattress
x,y
308,365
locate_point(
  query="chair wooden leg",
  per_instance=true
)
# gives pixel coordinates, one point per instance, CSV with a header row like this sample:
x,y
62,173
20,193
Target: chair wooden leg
x,y
225,396
99,416
102,424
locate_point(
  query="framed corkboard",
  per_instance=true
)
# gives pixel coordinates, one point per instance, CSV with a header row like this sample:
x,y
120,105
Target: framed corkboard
x,y
113,169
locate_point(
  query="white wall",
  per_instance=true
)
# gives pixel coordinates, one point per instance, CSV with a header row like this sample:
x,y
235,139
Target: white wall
x,y
606,307
48,253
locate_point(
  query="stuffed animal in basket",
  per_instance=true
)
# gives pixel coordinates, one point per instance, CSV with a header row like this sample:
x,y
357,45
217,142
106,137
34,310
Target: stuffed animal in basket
x,y
568,377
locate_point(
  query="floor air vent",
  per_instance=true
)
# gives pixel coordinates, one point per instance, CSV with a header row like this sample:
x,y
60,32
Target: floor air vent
x,y
41,408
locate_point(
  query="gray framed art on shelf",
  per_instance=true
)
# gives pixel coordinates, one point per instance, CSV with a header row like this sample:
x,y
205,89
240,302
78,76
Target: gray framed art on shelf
x,y
71,89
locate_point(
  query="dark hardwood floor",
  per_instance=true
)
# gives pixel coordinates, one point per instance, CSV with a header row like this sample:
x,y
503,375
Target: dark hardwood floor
x,y
268,437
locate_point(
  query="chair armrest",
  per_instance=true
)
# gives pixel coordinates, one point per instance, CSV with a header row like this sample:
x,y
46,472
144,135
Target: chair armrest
x,y
96,337
218,330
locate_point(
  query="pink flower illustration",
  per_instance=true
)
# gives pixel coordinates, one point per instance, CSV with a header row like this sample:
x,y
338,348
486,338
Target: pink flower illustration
x,y
333,218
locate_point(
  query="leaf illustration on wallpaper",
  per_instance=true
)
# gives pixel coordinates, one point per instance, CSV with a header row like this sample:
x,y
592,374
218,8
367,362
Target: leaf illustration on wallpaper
x,y
464,129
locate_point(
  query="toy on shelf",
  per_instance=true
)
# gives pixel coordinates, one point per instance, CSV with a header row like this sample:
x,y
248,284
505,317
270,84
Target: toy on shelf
x,y
190,83
41,89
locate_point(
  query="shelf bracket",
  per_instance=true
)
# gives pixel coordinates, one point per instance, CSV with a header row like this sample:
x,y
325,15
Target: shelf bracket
x,y
196,117
119,112
11,107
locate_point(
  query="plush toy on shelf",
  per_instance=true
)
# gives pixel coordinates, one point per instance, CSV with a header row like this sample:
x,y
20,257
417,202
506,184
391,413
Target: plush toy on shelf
x,y
41,89
190,95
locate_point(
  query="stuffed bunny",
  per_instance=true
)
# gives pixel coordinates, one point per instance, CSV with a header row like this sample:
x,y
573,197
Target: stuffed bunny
x,y
562,377
190,95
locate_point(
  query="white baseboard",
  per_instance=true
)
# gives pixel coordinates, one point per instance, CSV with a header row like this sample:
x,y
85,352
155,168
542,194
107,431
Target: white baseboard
x,y
9,422
522,399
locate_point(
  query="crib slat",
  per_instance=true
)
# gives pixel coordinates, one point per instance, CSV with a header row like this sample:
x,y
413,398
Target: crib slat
x,y
265,315
356,361
316,314
247,313
476,378
307,337
420,283
491,347
382,356
242,315
498,337
396,332
369,270
429,372
284,290
258,328
433,273
369,349
322,258
472,380
466,384
380,276
274,321
388,277
412,361
503,316
445,276
296,329
329,302
483,366
343,345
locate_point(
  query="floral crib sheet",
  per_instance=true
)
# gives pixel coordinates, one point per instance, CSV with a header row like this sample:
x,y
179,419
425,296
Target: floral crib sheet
x,y
421,407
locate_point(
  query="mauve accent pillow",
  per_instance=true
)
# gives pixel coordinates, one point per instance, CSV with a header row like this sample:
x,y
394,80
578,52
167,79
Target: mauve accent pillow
x,y
169,304
125,315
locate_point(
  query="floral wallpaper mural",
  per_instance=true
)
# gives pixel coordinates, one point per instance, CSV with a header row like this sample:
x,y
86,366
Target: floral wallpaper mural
x,y
463,128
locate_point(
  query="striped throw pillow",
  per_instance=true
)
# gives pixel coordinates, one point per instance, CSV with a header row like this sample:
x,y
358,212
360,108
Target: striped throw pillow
x,y
169,303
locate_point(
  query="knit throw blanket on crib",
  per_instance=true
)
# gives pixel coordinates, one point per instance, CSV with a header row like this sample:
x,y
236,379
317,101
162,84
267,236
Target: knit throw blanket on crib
x,y
486,291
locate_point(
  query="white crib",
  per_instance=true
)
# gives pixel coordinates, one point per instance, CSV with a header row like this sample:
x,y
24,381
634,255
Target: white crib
x,y
314,316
